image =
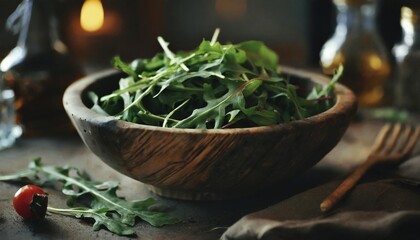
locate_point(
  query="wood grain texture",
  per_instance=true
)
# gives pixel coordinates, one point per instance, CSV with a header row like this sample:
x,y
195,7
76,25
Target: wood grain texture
x,y
208,164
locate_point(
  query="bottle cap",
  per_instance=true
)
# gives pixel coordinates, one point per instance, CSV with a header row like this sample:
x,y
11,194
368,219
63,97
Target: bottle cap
x,y
409,13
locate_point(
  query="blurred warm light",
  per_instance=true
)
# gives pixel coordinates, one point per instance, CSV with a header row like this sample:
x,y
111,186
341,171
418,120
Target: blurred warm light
x,y
375,62
92,15
231,9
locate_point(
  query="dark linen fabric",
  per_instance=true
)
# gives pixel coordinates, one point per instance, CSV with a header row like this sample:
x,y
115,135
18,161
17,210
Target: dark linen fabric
x,y
386,206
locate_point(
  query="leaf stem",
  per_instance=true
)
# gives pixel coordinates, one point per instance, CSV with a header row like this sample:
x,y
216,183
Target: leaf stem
x,y
67,212
21,174
82,186
173,111
170,54
215,36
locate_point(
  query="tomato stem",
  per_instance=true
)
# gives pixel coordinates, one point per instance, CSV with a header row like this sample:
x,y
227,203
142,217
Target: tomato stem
x,y
38,207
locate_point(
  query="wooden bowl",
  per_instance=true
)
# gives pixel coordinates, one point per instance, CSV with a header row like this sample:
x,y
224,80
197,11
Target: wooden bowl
x,y
208,164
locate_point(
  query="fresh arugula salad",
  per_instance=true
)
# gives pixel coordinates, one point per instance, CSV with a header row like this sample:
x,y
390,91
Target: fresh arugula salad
x,y
214,86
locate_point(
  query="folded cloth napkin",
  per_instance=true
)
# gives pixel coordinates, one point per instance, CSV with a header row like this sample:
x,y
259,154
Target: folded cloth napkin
x,y
388,208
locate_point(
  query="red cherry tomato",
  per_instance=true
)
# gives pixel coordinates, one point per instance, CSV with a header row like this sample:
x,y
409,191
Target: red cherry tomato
x,y
23,198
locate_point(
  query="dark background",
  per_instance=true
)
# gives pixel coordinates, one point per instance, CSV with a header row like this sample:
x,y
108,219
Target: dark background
x,y
296,29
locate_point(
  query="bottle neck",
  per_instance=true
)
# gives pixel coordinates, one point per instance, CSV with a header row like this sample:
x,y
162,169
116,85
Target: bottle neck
x,y
356,18
410,23
38,31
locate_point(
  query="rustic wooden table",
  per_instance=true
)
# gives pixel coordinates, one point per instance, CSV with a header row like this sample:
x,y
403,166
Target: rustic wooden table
x,y
199,220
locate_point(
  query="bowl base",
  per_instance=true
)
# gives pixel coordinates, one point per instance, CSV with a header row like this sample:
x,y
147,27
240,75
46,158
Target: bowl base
x,y
193,195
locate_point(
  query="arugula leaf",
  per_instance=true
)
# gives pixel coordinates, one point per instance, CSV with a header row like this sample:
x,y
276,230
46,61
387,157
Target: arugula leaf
x,y
259,54
99,215
104,198
94,98
118,63
323,91
214,86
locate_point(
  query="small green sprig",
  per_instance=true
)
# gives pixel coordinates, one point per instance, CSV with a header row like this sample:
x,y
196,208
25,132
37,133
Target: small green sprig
x,y
106,208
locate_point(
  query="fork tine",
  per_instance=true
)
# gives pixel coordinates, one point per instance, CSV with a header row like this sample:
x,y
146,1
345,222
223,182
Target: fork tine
x,y
408,131
412,141
393,140
381,138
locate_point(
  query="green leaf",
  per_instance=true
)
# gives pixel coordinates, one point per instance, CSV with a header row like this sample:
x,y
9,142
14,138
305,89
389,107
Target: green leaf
x,y
259,54
232,114
100,216
318,91
118,63
251,87
265,117
211,112
95,99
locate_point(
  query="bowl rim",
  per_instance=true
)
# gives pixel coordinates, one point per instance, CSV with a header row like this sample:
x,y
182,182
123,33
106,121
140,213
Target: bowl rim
x,y
345,103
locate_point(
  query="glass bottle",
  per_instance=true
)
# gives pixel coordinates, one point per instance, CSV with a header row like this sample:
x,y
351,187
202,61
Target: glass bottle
x,y
39,69
9,131
407,56
357,46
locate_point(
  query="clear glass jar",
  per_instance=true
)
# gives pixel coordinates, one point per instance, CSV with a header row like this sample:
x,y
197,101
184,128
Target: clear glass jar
x,y
39,69
358,47
407,56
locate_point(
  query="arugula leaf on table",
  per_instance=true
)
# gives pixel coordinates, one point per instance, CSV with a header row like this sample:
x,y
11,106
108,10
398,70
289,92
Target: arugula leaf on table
x,y
106,208
100,216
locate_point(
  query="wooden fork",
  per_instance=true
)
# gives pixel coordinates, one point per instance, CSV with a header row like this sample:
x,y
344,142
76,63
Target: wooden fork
x,y
394,143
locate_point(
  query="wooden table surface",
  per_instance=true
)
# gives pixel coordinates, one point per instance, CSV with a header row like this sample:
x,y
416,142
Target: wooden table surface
x,y
199,220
